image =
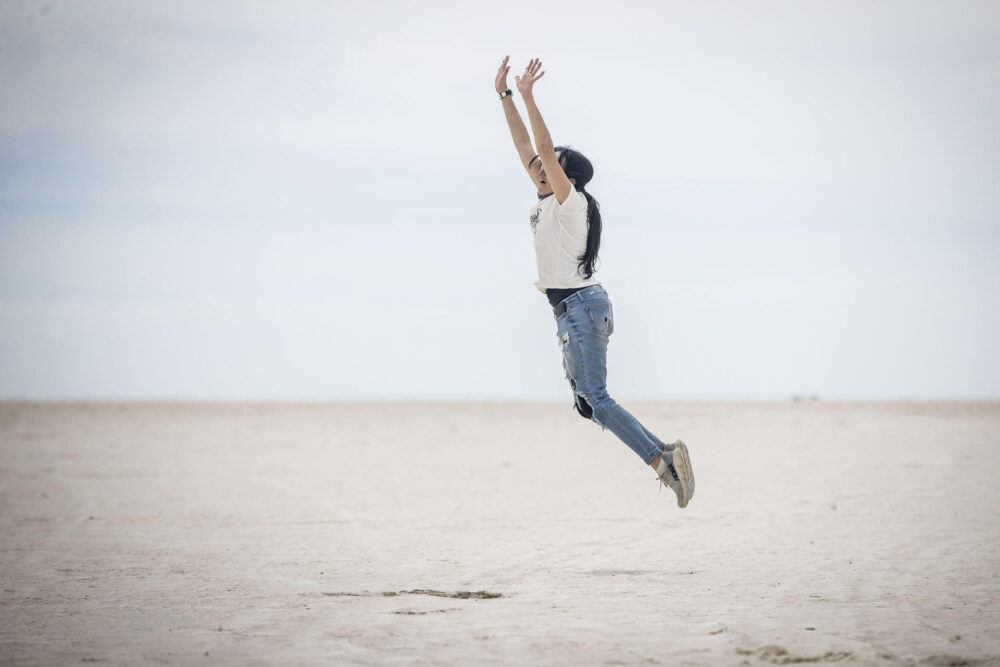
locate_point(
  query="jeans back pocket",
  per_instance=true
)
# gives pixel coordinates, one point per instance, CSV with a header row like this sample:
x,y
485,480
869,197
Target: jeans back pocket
x,y
602,317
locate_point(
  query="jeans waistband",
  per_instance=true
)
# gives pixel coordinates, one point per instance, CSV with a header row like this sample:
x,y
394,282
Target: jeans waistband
x,y
580,295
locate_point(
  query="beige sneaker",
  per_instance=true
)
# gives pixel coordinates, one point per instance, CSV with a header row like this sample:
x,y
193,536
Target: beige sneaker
x,y
687,458
678,474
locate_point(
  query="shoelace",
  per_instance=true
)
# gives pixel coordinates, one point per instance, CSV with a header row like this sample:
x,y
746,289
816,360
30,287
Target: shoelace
x,y
673,472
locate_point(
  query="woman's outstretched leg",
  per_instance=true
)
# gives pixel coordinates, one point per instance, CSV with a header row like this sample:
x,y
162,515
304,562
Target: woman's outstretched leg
x,y
584,329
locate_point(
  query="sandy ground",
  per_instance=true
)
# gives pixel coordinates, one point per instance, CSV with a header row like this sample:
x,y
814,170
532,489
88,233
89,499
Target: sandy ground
x,y
297,534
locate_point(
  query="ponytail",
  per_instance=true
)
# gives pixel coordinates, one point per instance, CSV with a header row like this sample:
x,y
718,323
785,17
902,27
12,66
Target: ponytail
x,y
579,168
588,260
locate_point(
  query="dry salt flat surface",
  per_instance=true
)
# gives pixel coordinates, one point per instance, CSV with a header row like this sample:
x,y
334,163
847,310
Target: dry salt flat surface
x,y
505,534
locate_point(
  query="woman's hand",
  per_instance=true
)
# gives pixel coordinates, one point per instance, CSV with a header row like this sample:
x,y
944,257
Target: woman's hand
x,y
501,80
530,76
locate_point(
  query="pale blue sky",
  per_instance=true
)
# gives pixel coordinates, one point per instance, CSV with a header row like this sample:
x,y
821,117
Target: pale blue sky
x,y
321,201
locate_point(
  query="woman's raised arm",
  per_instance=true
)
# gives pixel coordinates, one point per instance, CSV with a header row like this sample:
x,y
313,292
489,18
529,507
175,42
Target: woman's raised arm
x,y
518,132
561,185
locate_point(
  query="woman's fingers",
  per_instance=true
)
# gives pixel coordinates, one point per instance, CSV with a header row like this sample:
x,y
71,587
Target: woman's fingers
x,y
530,75
532,67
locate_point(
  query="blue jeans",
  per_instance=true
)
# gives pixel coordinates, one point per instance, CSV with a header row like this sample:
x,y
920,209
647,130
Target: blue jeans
x,y
584,330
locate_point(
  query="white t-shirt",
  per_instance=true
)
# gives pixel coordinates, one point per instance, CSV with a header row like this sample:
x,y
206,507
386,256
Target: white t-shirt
x,y
560,232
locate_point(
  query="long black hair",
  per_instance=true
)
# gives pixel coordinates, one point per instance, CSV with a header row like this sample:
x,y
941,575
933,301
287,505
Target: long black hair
x,y
578,167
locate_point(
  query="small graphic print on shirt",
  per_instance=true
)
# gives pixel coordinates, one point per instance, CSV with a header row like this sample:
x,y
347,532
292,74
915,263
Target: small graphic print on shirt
x,y
534,220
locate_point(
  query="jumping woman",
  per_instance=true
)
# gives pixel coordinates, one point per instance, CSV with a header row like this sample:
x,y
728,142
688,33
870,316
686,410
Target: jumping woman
x,y
566,225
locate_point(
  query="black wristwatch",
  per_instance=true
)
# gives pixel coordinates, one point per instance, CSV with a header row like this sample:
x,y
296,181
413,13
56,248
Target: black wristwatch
x,y
506,93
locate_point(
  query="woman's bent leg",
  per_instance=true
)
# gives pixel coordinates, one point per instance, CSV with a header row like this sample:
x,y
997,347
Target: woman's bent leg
x,y
584,346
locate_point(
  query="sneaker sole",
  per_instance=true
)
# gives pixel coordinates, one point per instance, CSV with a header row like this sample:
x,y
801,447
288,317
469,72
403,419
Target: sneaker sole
x,y
682,464
680,443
